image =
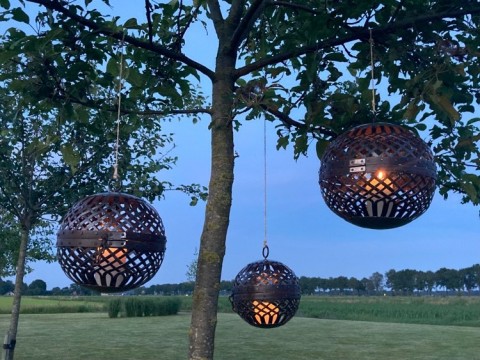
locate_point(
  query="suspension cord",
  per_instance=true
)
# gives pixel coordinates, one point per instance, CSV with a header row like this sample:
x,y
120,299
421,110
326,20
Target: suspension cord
x,y
119,113
265,243
374,105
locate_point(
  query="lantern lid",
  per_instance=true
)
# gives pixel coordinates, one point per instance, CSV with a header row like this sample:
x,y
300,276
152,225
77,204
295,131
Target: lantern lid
x,y
265,278
375,146
120,218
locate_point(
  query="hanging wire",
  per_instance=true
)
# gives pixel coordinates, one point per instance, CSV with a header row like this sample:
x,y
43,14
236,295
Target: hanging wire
x,y
374,105
119,91
265,243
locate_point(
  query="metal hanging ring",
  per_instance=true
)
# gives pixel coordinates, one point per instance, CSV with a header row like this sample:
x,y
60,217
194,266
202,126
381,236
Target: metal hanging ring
x,y
265,252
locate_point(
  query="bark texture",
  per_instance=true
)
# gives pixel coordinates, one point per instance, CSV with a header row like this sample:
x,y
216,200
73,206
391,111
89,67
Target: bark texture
x,y
11,336
217,214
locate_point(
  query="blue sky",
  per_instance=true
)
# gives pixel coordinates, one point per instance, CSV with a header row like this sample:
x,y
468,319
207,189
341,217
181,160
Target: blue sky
x,y
302,232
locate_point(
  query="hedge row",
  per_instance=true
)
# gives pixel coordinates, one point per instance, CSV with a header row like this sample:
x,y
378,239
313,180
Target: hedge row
x,y
140,306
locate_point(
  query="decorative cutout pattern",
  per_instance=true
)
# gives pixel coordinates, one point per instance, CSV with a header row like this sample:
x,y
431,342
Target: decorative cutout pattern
x,y
265,294
378,176
111,242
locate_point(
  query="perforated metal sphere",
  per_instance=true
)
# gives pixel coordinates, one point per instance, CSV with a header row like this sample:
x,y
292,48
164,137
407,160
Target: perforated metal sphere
x,y
378,176
111,242
265,294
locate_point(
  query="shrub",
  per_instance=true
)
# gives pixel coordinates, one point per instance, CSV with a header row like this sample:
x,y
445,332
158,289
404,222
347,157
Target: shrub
x,y
114,307
143,306
172,305
130,307
148,307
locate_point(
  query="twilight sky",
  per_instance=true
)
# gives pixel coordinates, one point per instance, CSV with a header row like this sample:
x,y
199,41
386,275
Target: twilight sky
x,y
302,232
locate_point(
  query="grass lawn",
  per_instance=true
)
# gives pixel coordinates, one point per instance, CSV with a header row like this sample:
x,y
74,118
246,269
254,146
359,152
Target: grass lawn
x,y
95,336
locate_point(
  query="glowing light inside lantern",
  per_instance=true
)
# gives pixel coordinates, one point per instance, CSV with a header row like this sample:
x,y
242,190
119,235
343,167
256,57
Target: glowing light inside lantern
x,y
379,190
265,312
111,265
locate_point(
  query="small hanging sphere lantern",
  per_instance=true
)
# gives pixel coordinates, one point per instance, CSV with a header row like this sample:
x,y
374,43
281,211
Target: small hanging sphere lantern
x,y
265,294
378,176
111,242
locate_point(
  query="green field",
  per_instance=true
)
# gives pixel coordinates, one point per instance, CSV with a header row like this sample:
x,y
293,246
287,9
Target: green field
x,y
453,310
53,304
93,335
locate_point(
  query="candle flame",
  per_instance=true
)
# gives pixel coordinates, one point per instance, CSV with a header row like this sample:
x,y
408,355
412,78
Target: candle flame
x,y
381,174
265,312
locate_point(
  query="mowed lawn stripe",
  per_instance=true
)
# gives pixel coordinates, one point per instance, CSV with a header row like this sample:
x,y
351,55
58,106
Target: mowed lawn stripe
x,y
95,336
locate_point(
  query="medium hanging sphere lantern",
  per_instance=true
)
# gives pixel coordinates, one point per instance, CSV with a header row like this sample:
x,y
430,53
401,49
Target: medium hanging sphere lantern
x,y
265,294
111,242
378,176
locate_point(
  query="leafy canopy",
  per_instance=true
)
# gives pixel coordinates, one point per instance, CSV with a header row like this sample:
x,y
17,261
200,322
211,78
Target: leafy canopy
x,y
304,64
58,101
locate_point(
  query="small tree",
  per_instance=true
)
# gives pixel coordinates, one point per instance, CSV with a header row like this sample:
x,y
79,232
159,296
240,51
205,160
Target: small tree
x,y
54,151
377,281
192,267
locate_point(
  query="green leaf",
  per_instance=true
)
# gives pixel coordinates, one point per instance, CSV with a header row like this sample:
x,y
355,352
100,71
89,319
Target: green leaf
x,y
338,57
446,106
135,77
20,16
321,146
71,157
421,127
241,82
5,4
470,191
282,142
131,23
113,67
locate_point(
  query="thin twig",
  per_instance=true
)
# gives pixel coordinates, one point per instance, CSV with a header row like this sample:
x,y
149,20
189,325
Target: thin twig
x,y
148,9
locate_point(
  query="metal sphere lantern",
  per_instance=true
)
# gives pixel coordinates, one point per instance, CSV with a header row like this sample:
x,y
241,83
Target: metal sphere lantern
x,y
378,176
111,242
265,294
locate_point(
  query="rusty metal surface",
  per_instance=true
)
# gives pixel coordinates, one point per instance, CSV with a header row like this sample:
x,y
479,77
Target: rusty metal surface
x,y
111,242
378,176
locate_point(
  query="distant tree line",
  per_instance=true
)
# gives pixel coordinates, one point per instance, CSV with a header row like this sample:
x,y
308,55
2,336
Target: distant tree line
x,y
402,282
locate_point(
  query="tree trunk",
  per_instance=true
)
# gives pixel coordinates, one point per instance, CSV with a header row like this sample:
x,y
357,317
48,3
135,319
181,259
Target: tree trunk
x,y
11,337
212,244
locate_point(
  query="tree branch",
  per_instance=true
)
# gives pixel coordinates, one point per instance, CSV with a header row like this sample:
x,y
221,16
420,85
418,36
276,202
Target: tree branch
x,y
101,106
246,23
236,11
289,122
148,11
217,17
119,35
46,196
181,34
357,33
169,112
295,6
397,10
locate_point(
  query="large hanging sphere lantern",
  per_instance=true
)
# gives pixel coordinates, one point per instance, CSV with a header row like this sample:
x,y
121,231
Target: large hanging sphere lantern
x,y
378,176
111,242
265,294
